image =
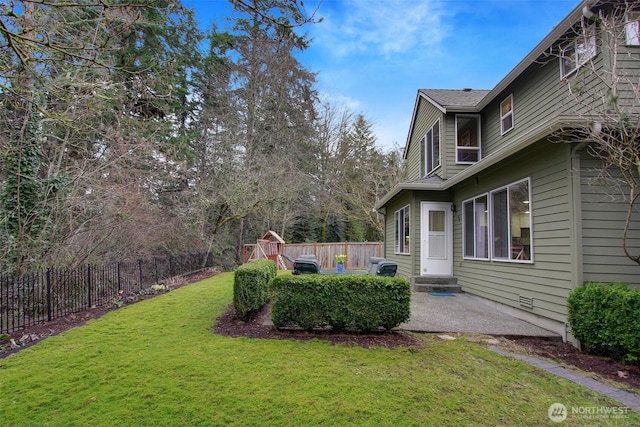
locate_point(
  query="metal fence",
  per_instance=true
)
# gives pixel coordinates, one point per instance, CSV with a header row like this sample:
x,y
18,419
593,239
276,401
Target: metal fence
x,y
45,295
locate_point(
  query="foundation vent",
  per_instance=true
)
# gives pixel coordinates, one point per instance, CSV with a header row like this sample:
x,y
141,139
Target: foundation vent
x,y
526,301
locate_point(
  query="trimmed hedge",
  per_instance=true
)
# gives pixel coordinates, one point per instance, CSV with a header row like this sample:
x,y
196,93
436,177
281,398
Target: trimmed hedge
x,y
605,318
358,302
251,286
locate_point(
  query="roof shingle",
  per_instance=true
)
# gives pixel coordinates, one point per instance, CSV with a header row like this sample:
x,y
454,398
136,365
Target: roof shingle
x,y
455,98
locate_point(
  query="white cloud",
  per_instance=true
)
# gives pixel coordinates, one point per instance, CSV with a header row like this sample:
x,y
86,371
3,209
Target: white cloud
x,y
340,101
381,26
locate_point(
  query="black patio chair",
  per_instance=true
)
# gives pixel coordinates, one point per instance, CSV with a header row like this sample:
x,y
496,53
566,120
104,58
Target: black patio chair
x,y
387,269
372,268
306,266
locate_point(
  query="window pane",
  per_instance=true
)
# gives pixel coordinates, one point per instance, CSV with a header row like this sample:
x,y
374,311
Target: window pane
x,y
397,234
436,145
406,231
469,237
437,235
481,227
507,123
567,62
423,155
506,106
632,26
467,155
429,151
520,221
436,221
500,224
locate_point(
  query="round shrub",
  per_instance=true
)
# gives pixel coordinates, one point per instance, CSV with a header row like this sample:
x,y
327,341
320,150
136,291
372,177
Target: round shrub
x,y
605,318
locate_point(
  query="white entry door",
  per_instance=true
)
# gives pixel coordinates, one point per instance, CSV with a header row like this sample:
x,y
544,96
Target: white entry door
x,y
436,233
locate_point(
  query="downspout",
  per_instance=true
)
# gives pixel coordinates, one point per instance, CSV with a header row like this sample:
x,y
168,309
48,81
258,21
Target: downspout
x,y
383,211
577,269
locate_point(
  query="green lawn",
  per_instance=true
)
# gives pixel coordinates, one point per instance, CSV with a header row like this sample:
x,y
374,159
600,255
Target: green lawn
x,y
157,363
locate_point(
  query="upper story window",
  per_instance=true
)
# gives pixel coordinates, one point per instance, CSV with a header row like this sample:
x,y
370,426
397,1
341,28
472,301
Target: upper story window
x,y
578,51
402,241
632,27
506,115
430,150
467,138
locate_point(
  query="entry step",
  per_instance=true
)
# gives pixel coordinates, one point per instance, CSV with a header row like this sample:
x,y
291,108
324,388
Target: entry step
x,y
436,284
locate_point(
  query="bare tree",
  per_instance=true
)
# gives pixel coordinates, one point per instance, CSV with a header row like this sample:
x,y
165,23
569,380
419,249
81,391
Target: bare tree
x,y
603,100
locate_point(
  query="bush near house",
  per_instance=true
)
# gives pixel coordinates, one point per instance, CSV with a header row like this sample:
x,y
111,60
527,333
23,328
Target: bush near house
x,y
251,286
358,302
606,320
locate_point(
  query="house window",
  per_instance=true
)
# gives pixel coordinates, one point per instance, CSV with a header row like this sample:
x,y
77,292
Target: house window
x,y
510,215
475,219
402,231
467,138
430,150
578,51
506,115
632,28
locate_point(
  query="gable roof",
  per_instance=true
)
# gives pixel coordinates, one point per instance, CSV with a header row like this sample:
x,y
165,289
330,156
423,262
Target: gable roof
x,y
447,100
474,101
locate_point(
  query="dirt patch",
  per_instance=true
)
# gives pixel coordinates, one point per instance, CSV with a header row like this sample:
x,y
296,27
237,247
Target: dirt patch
x,y
566,354
230,325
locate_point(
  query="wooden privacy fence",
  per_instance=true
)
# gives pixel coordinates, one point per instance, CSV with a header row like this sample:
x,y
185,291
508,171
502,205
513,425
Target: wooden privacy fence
x,y
358,254
45,295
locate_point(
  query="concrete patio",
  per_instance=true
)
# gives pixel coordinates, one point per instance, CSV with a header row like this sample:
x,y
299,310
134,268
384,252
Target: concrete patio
x,y
465,313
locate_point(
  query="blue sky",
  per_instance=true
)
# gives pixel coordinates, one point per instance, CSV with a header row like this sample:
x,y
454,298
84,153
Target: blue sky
x,y
372,56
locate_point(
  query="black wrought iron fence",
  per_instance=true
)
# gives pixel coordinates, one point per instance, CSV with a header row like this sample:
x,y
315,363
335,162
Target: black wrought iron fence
x,y
45,295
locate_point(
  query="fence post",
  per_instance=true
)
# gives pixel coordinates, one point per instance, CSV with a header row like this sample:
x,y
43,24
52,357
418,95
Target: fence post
x,y
119,277
89,284
49,317
346,253
140,272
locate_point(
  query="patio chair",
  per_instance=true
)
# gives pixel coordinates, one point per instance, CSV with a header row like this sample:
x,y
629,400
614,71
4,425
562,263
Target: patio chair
x,y
387,269
306,266
372,268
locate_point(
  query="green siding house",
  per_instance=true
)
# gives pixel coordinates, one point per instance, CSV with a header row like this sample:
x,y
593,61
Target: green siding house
x,y
497,200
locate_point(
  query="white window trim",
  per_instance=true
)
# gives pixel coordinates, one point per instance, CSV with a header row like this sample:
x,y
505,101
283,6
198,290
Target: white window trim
x,y
632,28
491,231
464,234
428,170
492,225
584,48
503,117
399,233
478,148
